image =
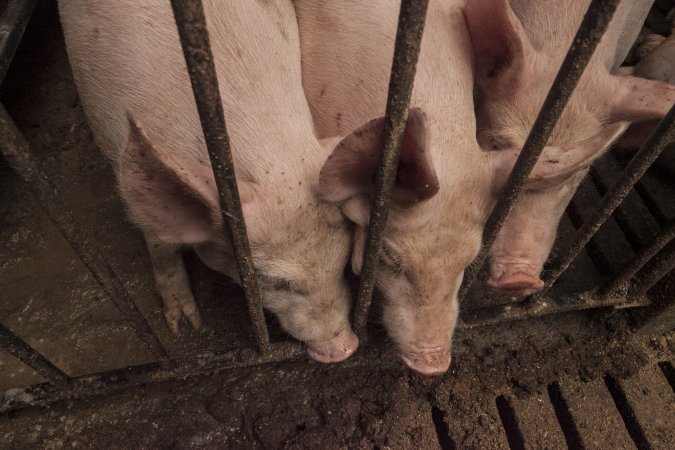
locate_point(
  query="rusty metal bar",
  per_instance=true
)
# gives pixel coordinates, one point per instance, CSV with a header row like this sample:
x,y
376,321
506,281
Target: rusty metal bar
x,y
663,263
406,51
532,307
664,133
26,354
194,38
114,380
621,282
16,151
13,22
588,36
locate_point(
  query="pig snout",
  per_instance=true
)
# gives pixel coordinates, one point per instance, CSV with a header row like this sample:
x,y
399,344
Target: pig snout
x,y
333,350
423,333
515,280
428,361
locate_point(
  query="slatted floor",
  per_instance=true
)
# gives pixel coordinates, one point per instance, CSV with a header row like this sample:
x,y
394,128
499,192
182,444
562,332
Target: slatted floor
x,y
638,412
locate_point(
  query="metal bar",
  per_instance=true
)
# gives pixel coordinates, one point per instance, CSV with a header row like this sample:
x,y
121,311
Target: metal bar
x,y
620,283
406,51
552,303
664,133
109,382
112,381
16,151
664,263
588,36
13,23
194,39
26,354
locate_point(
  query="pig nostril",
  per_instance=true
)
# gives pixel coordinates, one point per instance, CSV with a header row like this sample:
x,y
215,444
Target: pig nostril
x,y
518,281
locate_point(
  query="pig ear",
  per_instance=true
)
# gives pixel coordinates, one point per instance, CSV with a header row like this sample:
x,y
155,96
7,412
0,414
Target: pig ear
x,y
357,209
636,99
350,170
557,164
175,197
500,44
359,249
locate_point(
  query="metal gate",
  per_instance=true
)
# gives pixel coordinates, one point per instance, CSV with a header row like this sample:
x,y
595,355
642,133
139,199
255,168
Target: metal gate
x,y
626,289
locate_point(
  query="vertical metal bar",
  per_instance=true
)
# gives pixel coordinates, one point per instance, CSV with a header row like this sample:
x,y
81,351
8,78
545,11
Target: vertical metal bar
x,y
194,38
23,352
665,262
595,22
406,51
13,23
620,282
664,133
15,149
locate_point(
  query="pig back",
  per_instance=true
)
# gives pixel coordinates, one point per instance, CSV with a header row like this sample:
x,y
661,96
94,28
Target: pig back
x,y
347,52
552,24
126,56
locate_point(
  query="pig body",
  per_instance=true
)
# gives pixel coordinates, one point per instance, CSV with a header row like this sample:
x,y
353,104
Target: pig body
x,y
127,60
445,185
518,50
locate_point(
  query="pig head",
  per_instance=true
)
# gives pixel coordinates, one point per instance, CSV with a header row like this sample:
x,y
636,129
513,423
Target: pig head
x,y
417,277
518,49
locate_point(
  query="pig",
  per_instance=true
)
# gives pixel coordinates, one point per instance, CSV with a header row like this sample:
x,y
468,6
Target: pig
x,y
657,65
518,49
135,90
445,186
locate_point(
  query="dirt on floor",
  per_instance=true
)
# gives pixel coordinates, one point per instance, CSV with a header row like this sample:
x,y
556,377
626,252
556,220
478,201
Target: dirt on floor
x,y
370,401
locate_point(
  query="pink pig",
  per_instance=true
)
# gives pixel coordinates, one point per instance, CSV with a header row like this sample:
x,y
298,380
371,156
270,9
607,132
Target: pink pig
x,y
126,58
657,65
518,49
446,185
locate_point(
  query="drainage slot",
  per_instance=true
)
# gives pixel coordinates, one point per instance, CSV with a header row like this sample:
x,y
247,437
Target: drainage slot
x,y
565,419
652,205
627,414
594,251
442,430
669,372
508,417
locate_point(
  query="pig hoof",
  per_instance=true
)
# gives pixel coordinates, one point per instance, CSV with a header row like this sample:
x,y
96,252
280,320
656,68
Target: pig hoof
x,y
188,309
172,317
334,350
429,365
191,313
517,284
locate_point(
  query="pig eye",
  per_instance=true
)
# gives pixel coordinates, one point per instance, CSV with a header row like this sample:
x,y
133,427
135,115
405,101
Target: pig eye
x,y
279,284
499,143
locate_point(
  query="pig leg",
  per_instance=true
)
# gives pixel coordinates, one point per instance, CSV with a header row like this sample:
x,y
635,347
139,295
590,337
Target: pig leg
x,y
173,285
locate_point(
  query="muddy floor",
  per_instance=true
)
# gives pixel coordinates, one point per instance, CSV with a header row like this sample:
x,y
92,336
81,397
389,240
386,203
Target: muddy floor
x,y
507,384
577,380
